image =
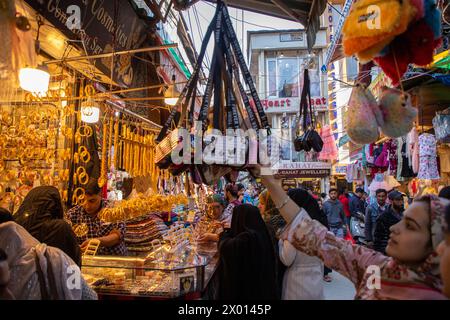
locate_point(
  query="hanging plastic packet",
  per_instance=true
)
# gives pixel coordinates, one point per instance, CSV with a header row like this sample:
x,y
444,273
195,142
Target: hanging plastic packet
x,y
362,124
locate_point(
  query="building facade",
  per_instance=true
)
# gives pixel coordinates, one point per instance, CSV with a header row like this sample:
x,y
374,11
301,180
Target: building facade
x,y
277,60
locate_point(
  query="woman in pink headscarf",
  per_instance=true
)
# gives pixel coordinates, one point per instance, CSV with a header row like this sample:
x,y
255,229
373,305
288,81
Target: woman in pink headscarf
x,y
411,269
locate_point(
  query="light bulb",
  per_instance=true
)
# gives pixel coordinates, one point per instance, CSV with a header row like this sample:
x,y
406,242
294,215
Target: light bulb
x,y
35,80
171,101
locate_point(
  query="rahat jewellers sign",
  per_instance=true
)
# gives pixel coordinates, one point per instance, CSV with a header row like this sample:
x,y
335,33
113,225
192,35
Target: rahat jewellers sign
x,y
302,169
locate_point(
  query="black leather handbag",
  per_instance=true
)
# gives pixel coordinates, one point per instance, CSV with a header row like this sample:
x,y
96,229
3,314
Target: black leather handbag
x,y
310,139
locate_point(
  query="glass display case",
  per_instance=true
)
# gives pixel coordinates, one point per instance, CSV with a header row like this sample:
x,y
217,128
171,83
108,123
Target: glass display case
x,y
165,272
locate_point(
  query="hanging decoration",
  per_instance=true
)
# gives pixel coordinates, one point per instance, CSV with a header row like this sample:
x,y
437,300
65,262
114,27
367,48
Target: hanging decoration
x,y
363,116
393,33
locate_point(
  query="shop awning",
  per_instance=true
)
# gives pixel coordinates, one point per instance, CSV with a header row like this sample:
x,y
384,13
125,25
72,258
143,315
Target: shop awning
x,y
306,12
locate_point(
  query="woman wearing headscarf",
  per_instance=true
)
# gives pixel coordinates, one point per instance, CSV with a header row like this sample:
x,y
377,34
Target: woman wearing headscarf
x,y
41,214
247,259
38,271
303,279
275,224
444,252
411,269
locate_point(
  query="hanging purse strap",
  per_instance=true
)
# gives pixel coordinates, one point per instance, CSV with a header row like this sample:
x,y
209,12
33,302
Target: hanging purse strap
x,y
232,65
308,94
245,72
190,86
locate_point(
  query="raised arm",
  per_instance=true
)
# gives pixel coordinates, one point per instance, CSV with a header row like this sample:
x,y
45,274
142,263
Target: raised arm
x,y
312,238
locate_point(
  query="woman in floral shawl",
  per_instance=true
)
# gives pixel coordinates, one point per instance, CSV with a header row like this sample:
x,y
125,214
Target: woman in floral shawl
x,y
411,271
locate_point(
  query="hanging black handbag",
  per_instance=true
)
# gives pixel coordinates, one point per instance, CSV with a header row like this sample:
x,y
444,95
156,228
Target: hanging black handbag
x,y
310,139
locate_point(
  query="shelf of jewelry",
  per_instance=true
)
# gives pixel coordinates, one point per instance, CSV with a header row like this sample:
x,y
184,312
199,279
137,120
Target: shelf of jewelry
x,y
166,272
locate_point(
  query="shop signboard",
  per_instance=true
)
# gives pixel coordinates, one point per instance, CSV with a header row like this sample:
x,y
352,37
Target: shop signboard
x,y
292,105
102,23
302,169
340,169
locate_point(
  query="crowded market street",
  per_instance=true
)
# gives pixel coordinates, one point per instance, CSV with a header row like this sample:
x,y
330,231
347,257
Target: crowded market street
x,y
181,154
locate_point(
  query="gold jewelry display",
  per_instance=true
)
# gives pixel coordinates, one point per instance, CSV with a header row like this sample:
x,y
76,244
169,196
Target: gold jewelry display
x,y
85,131
80,230
82,175
129,209
92,247
110,142
79,197
116,143
65,196
103,172
84,154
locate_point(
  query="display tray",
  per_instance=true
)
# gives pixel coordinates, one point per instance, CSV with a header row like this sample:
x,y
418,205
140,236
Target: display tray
x,y
163,273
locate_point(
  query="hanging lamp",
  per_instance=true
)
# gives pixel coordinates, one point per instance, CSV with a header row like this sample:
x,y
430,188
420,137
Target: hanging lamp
x,y
35,80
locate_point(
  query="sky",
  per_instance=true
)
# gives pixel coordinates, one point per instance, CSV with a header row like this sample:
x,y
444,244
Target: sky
x,y
253,22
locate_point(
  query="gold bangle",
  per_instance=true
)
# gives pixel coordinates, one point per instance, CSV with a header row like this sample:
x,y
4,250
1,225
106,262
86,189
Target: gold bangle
x,y
85,131
84,154
89,90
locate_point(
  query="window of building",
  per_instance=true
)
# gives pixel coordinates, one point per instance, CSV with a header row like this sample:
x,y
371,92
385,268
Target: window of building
x,y
285,75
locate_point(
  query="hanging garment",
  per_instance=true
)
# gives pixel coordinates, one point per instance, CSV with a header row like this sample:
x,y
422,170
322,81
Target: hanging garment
x,y
428,168
358,172
391,146
349,175
413,188
399,159
329,150
407,171
382,160
413,149
379,182
369,153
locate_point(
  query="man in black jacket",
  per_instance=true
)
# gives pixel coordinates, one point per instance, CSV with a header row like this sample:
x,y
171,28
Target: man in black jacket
x,y
387,219
357,203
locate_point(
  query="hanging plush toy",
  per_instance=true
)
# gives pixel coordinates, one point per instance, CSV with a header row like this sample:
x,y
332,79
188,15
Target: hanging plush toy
x,y
362,125
398,114
415,46
367,31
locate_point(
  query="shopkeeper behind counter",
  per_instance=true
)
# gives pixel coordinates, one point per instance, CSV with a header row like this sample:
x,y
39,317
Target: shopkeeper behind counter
x,y
111,235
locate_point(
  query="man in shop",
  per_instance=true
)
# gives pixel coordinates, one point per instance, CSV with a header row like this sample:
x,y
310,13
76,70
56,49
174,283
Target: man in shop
x,y
356,203
373,211
231,195
392,215
110,235
334,210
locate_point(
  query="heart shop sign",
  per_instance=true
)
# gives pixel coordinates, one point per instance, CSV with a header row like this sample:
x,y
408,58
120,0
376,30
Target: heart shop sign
x,y
292,105
100,25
